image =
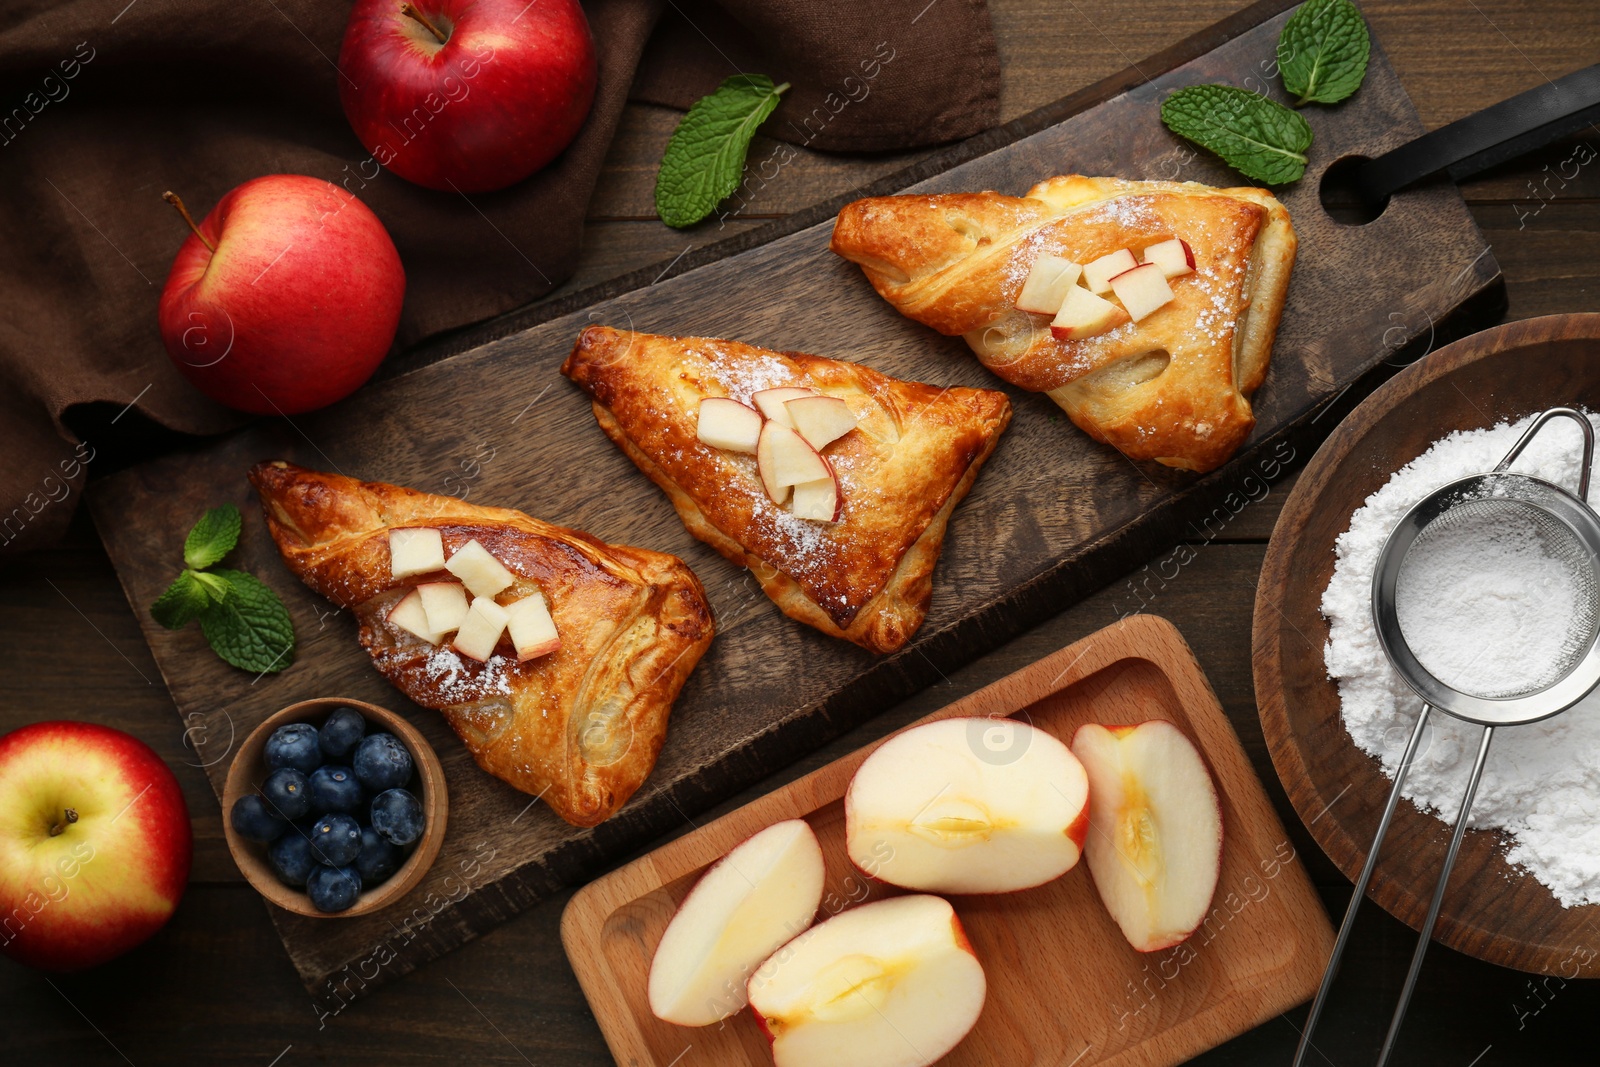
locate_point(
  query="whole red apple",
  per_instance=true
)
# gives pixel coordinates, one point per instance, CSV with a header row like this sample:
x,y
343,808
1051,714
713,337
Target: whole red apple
x,y
94,844
466,95
285,298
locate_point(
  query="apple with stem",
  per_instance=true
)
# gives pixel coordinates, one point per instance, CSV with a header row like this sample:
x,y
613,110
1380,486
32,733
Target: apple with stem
x,y
466,96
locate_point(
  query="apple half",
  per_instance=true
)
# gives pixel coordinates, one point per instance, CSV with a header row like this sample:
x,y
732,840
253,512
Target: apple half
x,y
1083,315
893,983
751,902
968,805
770,402
1155,829
726,423
1047,283
1098,273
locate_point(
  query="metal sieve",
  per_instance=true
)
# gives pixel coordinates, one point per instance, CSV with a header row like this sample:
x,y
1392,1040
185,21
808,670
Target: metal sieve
x,y
1482,508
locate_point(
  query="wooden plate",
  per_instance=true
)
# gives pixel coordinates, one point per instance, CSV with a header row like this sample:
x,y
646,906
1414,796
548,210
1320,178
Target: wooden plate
x,y
1064,986
1491,910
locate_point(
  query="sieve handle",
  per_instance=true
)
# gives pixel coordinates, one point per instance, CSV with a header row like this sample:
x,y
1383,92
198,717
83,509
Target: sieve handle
x,y
1588,444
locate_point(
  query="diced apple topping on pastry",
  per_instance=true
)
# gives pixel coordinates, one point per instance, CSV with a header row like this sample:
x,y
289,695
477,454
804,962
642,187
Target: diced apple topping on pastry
x,y
821,420
1097,275
787,430
771,402
818,500
478,570
481,629
1142,290
444,604
1174,257
1084,314
415,550
533,631
726,423
410,616
1047,284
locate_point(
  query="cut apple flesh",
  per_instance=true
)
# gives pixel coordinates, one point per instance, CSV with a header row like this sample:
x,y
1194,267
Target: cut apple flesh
x,y
893,983
771,402
1047,283
481,629
724,423
532,630
1142,290
1083,315
818,500
968,805
750,903
478,570
444,604
1155,829
409,616
785,459
821,420
415,550
1098,274
1174,257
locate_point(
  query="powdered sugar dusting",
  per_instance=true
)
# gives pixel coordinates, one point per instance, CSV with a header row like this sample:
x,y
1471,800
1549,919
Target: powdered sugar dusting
x,y
459,682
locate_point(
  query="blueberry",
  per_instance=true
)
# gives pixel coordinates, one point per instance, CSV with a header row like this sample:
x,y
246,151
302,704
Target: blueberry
x,y
287,794
341,733
397,815
335,789
292,858
382,762
378,859
337,838
333,888
294,745
254,819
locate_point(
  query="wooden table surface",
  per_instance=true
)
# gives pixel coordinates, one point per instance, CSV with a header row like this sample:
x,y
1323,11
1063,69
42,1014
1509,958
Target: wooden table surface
x,y
215,986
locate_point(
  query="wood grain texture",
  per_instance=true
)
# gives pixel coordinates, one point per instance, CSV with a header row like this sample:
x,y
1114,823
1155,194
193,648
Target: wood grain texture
x,y
499,425
1257,953
1491,910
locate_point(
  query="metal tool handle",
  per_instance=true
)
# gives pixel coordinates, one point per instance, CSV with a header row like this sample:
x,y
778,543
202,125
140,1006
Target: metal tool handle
x,y
1538,424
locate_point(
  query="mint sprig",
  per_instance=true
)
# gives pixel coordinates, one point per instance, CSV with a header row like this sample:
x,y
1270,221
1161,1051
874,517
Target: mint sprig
x,y
242,619
705,156
1258,137
1323,51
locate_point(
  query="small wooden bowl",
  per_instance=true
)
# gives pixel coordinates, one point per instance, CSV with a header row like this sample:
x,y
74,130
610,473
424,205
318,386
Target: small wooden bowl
x,y
1491,910
247,773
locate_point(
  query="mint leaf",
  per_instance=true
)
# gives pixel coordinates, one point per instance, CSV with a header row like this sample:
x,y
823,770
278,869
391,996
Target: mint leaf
x,y
182,603
250,628
705,157
212,537
215,587
1259,138
1323,50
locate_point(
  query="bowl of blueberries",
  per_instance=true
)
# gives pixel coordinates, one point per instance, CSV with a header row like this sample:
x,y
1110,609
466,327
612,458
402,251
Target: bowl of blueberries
x,y
334,807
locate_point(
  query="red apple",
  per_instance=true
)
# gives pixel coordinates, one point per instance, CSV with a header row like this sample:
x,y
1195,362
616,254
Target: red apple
x,y
285,298
94,844
466,95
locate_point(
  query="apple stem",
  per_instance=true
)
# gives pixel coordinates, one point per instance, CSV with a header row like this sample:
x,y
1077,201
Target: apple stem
x,y
412,13
172,198
67,819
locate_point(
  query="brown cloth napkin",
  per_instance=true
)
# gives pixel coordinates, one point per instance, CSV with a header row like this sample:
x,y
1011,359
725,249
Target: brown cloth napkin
x,y
105,104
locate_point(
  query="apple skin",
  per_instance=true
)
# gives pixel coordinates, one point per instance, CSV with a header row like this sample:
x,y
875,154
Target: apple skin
x,y
106,882
296,307
505,93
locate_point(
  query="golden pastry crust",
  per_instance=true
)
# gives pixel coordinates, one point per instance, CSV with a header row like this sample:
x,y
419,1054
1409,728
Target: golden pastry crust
x,y
914,454
1173,387
581,727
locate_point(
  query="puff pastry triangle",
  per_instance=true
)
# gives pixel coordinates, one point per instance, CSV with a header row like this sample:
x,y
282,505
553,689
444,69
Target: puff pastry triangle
x,y
580,727
1172,387
911,458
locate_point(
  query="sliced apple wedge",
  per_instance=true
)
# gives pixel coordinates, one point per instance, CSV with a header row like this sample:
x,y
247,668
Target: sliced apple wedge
x,y
771,402
725,423
481,629
409,615
533,631
1083,315
478,570
893,983
1174,257
444,604
821,420
784,459
1097,275
818,501
968,805
415,550
1047,283
1155,829
751,902
1142,290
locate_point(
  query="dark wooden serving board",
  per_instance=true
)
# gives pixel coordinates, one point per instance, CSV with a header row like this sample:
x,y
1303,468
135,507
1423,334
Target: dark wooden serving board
x,y
1052,517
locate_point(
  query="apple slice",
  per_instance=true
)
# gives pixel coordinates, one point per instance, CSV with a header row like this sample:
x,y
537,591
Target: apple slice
x,y
784,459
415,550
1174,257
533,631
818,500
1155,829
968,805
725,423
771,402
444,604
478,570
1047,284
481,629
821,420
749,904
410,616
1142,290
893,983
1097,275
1085,315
